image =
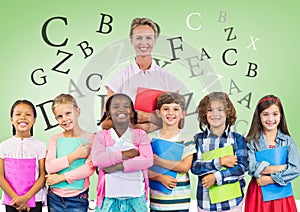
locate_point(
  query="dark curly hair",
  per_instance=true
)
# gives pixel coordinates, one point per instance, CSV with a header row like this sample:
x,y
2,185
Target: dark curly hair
x,y
205,104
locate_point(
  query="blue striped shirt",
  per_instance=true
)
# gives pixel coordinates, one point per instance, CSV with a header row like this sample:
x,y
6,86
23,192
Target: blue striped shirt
x,y
207,141
179,199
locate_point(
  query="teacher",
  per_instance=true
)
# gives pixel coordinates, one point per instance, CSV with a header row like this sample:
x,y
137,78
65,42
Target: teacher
x,y
143,72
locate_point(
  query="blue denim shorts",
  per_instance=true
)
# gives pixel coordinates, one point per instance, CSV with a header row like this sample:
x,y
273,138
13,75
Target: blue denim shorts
x,y
134,204
78,203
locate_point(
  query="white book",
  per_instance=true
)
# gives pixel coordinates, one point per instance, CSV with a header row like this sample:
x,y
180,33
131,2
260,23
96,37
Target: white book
x,y
120,184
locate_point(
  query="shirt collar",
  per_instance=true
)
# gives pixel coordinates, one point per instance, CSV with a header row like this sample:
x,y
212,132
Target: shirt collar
x,y
137,70
280,136
119,141
23,139
225,133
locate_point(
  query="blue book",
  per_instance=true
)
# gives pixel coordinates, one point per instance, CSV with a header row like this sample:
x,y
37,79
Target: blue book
x,y
167,150
275,156
64,147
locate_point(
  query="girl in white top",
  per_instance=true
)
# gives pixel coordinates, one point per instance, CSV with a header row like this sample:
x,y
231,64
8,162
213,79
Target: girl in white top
x,y
23,146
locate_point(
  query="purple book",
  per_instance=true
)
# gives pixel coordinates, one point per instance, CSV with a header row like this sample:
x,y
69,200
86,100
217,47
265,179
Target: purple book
x,y
20,174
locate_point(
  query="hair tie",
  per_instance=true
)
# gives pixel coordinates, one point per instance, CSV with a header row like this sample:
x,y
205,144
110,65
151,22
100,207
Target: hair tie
x,y
269,99
104,113
98,122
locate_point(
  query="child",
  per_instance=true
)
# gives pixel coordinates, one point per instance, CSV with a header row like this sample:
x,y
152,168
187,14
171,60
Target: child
x,y
217,112
126,165
170,109
69,167
14,152
269,130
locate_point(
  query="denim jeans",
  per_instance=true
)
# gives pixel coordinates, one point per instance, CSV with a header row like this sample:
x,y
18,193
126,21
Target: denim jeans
x,y
68,204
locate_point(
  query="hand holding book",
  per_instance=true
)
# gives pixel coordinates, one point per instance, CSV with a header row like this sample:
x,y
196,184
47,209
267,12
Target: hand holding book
x,y
275,156
165,150
114,168
53,179
168,181
208,181
220,193
76,150
83,150
130,153
121,184
20,174
228,161
264,180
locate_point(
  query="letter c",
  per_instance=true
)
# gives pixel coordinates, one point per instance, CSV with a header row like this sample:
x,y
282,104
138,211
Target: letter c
x,y
188,21
44,32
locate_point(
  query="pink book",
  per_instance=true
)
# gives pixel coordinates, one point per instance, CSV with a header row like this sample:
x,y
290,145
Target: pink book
x,y
20,174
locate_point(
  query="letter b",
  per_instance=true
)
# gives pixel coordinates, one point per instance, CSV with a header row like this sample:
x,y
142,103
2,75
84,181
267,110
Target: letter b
x,y
109,27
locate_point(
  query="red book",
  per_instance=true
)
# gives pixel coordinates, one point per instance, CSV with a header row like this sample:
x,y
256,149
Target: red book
x,y
146,99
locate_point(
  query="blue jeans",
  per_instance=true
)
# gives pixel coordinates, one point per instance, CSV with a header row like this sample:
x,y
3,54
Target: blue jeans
x,y
78,203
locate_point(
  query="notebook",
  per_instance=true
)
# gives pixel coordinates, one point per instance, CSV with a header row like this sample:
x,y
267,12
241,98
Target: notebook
x,y
64,147
146,99
221,193
119,184
167,150
20,174
275,156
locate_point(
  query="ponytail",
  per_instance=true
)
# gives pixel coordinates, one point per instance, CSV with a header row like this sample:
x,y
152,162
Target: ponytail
x,y
102,119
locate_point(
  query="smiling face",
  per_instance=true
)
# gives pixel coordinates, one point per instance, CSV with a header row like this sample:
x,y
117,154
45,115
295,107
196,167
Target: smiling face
x,y
143,40
216,116
120,111
66,116
170,114
270,118
22,119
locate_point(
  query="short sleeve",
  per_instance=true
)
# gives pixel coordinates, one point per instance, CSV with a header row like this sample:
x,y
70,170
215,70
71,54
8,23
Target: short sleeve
x,y
42,150
189,146
1,151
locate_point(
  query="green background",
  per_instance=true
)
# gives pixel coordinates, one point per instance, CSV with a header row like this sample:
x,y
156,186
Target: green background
x,y
23,50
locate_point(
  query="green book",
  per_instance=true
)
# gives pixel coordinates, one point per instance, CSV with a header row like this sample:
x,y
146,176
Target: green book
x,y
223,192
64,147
